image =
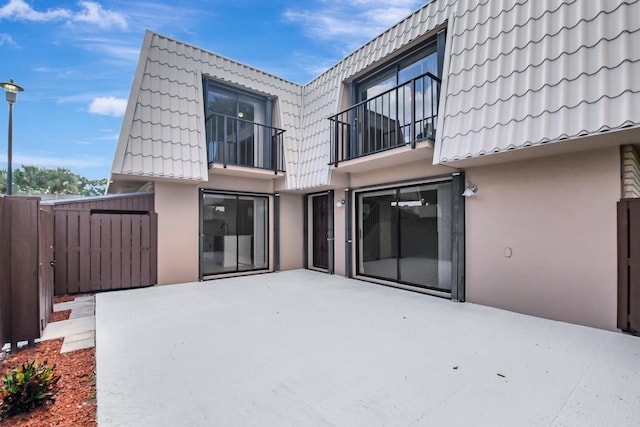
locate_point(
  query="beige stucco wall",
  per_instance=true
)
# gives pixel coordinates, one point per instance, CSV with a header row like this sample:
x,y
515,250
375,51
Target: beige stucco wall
x,y
557,218
238,183
291,231
177,208
406,171
178,211
339,232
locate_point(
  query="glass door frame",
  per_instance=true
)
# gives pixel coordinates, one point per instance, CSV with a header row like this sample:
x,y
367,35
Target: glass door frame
x,y
309,235
267,232
396,189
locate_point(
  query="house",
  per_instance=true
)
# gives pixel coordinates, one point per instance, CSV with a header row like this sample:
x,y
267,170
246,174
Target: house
x,y
532,108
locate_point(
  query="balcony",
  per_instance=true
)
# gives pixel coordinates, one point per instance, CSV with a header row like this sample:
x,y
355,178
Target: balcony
x,y
399,117
236,142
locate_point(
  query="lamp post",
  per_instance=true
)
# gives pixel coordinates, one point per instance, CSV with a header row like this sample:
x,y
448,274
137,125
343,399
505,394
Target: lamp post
x,y
11,94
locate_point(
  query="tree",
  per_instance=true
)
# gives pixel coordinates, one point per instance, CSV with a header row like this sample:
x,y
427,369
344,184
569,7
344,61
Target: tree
x,y
37,180
92,187
3,181
62,181
29,180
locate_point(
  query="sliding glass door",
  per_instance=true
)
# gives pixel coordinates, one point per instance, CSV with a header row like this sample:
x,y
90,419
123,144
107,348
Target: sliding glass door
x,y
405,235
234,233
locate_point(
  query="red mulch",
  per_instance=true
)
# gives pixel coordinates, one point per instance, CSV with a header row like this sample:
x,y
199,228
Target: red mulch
x,y
75,403
57,316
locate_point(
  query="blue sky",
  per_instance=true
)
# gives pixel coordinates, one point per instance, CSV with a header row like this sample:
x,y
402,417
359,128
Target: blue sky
x,y
76,59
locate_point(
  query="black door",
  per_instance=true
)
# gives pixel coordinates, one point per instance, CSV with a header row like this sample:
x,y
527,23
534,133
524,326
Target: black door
x,y
321,231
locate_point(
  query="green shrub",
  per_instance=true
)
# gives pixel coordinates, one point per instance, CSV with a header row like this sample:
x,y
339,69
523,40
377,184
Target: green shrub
x,y
26,387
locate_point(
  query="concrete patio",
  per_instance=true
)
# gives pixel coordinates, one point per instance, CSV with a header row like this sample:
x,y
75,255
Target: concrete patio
x,y
301,348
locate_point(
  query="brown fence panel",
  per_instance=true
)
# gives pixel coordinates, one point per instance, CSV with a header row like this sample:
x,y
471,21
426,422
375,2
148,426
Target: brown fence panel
x,y
25,319
116,253
60,248
73,250
136,251
46,257
95,247
5,275
104,225
104,250
25,289
125,255
153,217
84,256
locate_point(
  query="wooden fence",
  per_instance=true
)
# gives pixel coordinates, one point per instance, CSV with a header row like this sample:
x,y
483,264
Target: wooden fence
x,y
99,249
86,245
26,274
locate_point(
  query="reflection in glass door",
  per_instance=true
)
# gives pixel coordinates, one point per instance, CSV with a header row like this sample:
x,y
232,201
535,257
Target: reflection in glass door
x,y
234,233
405,235
378,219
236,117
320,218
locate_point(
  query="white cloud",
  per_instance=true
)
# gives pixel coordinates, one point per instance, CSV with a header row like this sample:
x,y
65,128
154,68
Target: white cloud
x,y
312,64
8,40
20,10
81,98
93,13
170,17
89,13
119,49
108,135
351,23
112,137
108,106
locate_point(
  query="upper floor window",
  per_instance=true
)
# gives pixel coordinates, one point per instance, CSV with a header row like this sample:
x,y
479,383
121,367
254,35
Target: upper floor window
x,y
393,105
399,72
223,100
238,128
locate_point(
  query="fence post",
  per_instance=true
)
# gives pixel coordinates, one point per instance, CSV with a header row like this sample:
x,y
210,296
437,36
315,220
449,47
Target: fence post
x,y
5,275
20,299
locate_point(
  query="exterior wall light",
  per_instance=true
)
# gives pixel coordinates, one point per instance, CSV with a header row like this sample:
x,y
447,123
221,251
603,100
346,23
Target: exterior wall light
x,y
11,94
340,203
470,190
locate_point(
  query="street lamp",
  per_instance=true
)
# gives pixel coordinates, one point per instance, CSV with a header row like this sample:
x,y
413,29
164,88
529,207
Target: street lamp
x,y
11,94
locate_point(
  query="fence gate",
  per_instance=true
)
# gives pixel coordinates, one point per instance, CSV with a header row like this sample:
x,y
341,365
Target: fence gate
x,y
99,250
46,264
26,280
629,265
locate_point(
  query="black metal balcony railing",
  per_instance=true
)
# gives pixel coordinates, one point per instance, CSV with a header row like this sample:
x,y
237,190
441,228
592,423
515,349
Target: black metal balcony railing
x,y
399,116
238,142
